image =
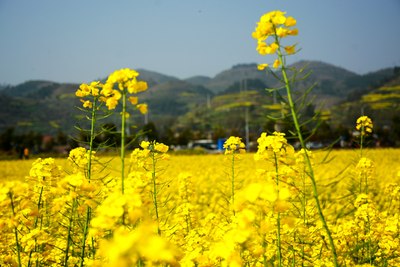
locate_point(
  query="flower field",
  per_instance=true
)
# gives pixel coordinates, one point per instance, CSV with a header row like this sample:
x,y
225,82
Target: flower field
x,y
197,222
148,207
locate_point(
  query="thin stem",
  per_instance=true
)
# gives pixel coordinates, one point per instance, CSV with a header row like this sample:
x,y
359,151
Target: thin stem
x,y
369,241
233,182
304,203
35,224
278,219
69,235
123,123
92,136
89,175
15,231
307,158
85,233
361,155
153,175
264,246
362,140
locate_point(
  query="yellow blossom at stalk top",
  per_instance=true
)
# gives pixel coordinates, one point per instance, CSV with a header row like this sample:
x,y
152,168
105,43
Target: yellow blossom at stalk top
x,y
91,91
262,66
126,82
142,108
276,25
154,147
364,125
233,145
275,143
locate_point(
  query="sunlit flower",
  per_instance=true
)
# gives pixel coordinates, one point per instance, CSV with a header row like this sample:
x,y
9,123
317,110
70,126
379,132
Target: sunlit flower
x,y
364,125
262,66
234,145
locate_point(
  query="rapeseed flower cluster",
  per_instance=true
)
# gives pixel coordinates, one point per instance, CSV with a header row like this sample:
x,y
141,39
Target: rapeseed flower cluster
x,y
89,93
364,125
79,158
275,144
185,216
118,85
274,25
234,145
194,226
126,82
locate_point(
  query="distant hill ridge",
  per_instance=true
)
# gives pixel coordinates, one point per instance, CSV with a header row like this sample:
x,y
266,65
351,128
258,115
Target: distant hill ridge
x,y
39,105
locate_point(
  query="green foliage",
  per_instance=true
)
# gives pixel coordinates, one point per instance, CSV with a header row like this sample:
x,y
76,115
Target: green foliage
x,y
204,104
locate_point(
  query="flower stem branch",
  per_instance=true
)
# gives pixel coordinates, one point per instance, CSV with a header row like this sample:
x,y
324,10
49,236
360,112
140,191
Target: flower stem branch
x,y
310,169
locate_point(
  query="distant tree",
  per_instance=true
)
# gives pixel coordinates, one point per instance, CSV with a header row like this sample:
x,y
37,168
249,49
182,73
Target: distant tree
x,y
168,136
185,136
219,132
6,139
61,138
396,129
150,131
324,133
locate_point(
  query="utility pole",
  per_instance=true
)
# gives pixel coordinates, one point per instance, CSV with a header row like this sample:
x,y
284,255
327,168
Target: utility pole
x,y
146,118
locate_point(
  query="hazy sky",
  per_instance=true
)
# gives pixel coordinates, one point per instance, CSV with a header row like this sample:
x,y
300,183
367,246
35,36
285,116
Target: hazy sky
x,y
82,40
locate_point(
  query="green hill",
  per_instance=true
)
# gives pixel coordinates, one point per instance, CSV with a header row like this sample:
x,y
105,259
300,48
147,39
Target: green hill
x,y
209,105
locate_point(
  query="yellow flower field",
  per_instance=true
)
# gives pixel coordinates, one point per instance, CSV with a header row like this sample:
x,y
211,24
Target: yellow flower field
x,y
275,207
197,223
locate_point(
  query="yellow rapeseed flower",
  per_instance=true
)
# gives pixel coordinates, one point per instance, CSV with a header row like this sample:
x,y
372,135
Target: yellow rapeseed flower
x,y
262,66
142,108
126,82
276,64
233,145
291,49
364,125
91,91
276,25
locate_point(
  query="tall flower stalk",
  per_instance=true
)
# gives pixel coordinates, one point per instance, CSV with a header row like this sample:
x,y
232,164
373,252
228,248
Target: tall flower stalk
x,y
126,82
365,165
232,146
364,126
92,100
17,244
364,169
155,151
276,149
95,95
277,26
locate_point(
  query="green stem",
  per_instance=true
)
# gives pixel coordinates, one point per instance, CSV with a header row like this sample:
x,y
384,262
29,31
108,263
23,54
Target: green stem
x,y
84,236
155,201
69,235
307,158
304,203
361,155
92,136
361,140
264,246
89,175
233,182
123,123
35,224
369,241
278,219
15,231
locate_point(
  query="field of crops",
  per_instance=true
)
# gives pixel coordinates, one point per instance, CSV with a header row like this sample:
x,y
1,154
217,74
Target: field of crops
x,y
202,210
275,207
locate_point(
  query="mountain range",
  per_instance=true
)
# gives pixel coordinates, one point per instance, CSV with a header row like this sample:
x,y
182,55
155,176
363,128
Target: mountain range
x,y
207,104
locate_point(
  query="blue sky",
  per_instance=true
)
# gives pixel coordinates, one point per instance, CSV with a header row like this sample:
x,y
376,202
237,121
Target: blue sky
x,y
83,40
